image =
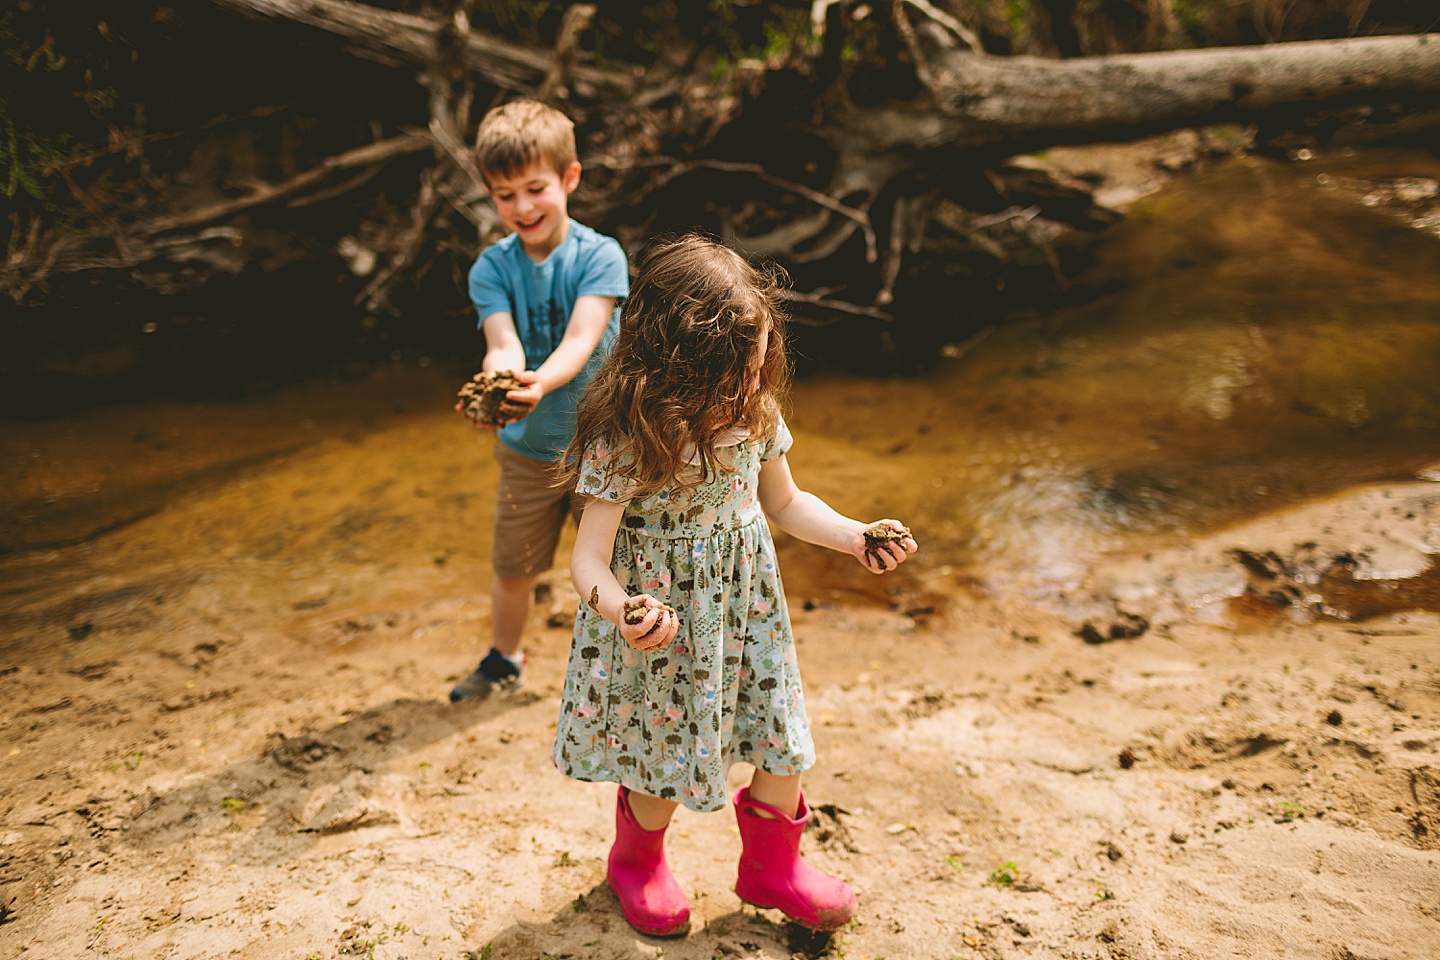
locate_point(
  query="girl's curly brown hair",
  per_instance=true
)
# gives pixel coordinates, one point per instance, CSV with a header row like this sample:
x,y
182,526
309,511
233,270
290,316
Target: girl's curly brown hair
x,y
683,372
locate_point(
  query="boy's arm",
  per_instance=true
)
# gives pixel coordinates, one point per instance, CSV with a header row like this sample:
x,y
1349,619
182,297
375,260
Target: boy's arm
x,y
806,517
595,582
582,335
503,349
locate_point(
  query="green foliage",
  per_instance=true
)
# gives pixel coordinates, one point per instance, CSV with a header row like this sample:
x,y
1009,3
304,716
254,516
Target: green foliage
x,y
1017,16
1193,16
58,65
1005,875
768,35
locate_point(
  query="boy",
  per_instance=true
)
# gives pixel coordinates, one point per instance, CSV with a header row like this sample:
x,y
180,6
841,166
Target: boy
x,y
547,299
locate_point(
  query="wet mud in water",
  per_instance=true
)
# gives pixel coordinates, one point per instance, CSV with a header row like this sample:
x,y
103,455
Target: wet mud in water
x,y
1163,681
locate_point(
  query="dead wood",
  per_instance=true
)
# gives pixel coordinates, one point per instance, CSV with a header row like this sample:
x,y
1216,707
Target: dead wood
x,y
976,106
646,128
404,39
117,246
370,155
1006,105
562,65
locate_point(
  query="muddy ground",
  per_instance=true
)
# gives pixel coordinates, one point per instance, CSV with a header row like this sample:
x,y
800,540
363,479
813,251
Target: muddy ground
x,y
226,734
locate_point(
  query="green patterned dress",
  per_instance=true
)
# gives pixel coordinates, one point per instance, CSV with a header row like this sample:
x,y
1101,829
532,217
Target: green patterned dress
x,y
671,722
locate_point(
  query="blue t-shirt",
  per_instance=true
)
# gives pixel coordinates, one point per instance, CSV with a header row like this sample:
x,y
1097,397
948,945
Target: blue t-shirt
x,y
541,297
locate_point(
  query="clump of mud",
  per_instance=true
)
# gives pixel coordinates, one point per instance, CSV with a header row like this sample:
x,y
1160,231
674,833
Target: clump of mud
x,y
636,609
480,399
879,535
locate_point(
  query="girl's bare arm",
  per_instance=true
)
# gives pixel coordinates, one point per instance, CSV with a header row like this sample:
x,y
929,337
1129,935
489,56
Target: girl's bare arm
x,y
590,573
806,517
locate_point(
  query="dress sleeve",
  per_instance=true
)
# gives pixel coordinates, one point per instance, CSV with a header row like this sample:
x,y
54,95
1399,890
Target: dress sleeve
x,y
778,444
601,477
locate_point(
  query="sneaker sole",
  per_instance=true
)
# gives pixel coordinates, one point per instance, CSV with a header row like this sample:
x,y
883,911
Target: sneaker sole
x,y
457,694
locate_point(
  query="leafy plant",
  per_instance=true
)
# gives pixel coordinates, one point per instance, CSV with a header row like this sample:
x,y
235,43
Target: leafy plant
x,y
1005,875
369,945
65,58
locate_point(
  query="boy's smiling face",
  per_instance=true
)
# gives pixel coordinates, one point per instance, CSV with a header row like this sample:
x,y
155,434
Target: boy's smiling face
x,y
533,202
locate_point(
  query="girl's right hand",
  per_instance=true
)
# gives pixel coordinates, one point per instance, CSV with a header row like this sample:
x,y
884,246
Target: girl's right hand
x,y
881,554
655,630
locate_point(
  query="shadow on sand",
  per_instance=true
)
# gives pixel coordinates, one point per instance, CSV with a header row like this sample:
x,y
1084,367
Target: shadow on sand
x,y
592,927
310,785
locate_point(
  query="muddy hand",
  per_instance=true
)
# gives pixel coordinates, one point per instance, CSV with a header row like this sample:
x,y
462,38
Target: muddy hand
x,y
884,545
647,624
509,411
519,403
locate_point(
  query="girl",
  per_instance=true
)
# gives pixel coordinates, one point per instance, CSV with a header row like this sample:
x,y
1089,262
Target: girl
x,y
683,662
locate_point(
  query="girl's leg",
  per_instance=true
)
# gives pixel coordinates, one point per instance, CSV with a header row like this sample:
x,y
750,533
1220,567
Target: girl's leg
x,y
650,899
771,871
782,793
651,813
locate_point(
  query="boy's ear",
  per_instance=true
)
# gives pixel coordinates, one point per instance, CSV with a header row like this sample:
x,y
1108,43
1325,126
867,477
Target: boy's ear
x,y
571,179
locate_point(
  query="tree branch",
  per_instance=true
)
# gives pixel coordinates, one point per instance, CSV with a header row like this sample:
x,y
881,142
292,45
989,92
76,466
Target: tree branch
x,y
410,39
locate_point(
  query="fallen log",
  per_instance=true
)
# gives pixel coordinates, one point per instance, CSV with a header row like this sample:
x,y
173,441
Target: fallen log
x,y
1009,105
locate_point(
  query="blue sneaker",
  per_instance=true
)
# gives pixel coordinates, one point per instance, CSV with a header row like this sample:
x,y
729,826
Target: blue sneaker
x,y
495,672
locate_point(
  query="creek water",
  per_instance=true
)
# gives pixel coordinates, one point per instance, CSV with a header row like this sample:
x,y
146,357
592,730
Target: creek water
x,y
1270,338
1271,333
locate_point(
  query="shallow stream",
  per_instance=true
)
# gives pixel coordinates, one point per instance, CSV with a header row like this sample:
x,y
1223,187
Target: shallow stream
x,y
1271,334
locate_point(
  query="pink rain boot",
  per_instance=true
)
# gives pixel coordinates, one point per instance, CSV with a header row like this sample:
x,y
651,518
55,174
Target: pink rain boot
x,y
773,875
640,878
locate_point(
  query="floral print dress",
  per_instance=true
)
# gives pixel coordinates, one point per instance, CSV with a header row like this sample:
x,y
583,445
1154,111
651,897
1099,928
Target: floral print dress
x,y
669,723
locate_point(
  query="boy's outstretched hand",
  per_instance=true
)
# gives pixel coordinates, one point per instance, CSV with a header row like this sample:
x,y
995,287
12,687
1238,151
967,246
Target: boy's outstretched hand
x,y
883,545
519,403
647,624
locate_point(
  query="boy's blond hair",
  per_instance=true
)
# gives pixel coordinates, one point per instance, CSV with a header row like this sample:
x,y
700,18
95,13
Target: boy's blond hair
x,y
522,132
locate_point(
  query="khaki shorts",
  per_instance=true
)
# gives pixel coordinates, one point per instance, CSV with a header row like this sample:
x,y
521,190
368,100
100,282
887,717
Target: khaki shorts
x,y
529,514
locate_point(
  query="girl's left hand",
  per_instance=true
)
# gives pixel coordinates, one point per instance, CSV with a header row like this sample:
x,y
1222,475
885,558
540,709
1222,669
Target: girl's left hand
x,y
881,556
